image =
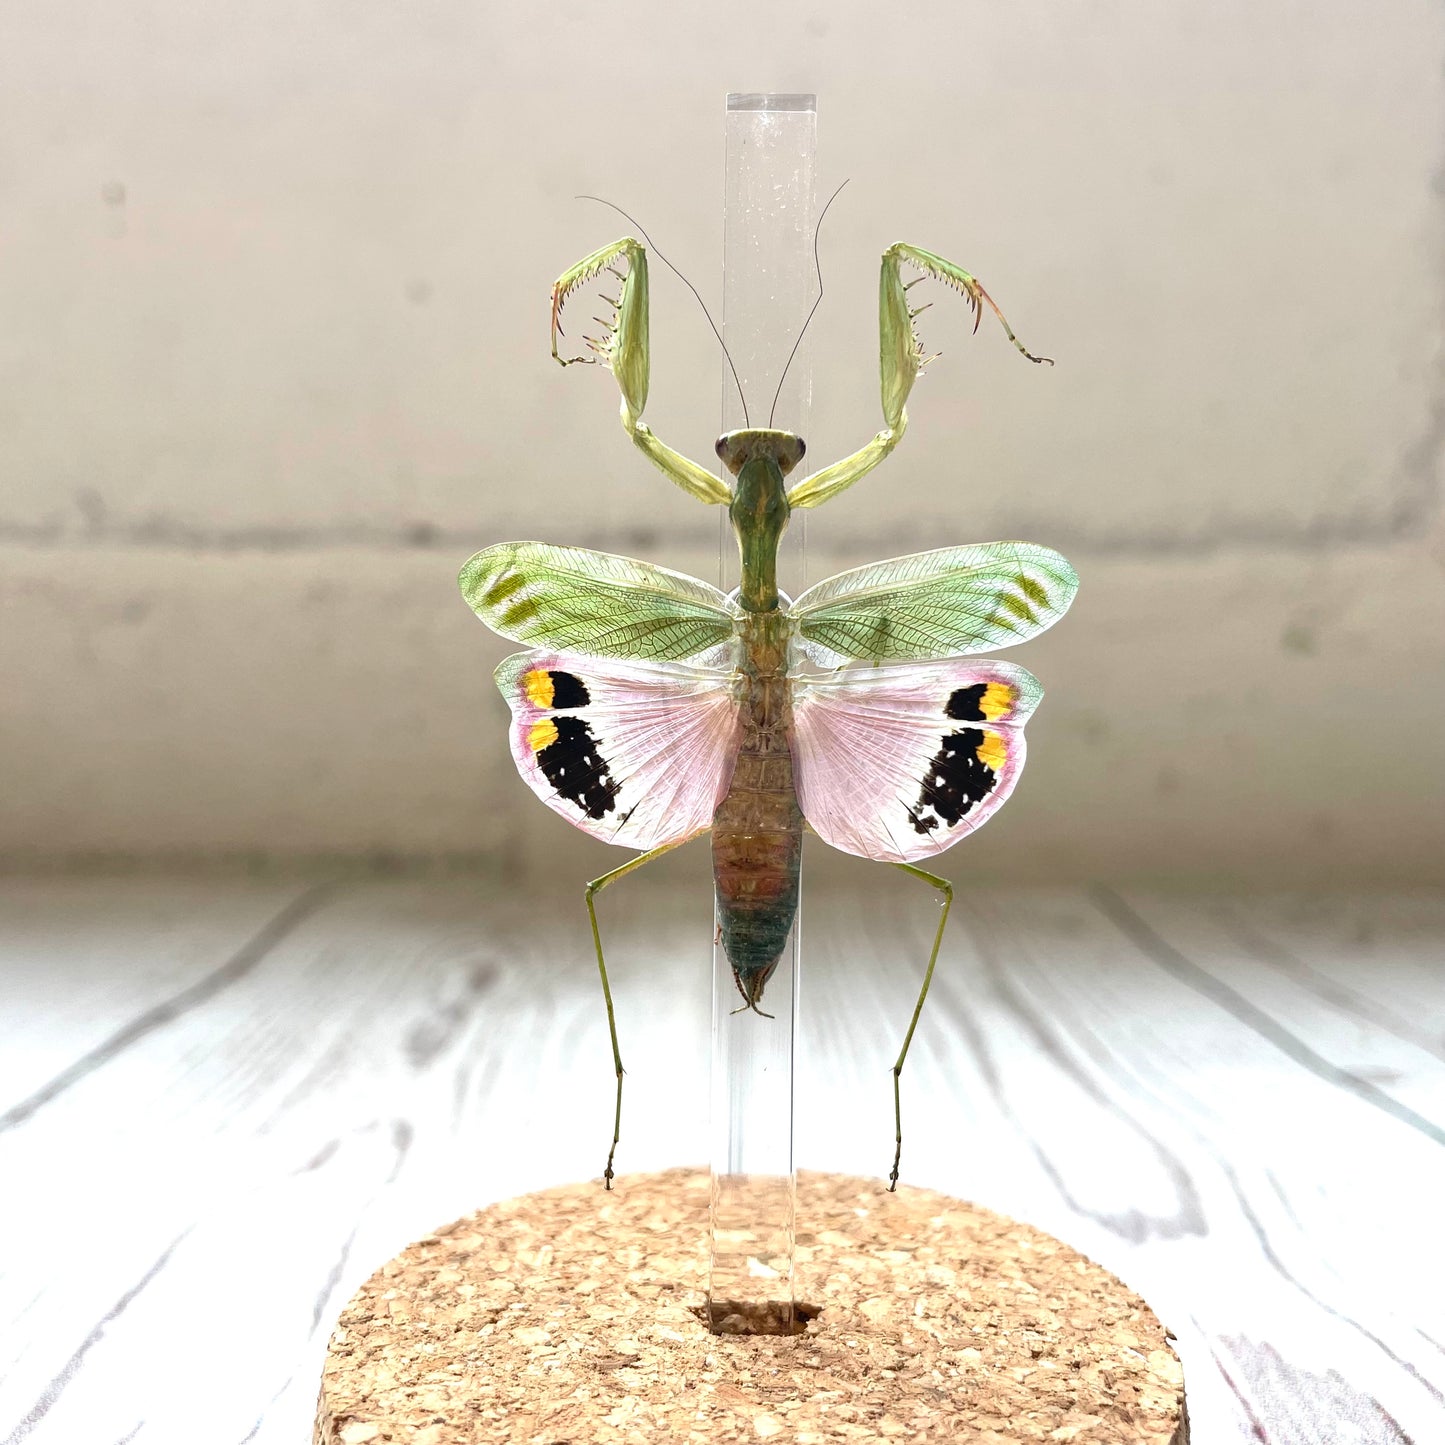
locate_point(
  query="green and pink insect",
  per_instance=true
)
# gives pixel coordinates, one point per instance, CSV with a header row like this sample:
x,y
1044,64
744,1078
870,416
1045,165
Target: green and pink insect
x,y
652,707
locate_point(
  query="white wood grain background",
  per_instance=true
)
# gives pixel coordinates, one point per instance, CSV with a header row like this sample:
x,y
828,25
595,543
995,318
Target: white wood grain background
x,y
222,1104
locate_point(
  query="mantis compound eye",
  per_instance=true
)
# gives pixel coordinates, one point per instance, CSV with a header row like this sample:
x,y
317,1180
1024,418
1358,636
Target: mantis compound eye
x,y
737,447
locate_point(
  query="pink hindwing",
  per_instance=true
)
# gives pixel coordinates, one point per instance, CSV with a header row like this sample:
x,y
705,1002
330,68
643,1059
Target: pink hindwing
x,y
899,763
638,754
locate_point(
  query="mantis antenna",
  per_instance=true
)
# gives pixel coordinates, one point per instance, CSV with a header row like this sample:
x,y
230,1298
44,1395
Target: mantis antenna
x,y
603,201
817,301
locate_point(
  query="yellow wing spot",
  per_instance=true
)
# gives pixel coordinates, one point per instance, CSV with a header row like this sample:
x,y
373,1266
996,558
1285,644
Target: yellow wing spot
x,y
997,699
538,687
543,734
992,752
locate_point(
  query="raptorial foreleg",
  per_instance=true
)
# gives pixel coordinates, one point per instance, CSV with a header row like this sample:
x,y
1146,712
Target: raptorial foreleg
x,y
901,358
623,348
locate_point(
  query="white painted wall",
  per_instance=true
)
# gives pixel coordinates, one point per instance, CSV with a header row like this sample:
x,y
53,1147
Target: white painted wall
x,y
273,361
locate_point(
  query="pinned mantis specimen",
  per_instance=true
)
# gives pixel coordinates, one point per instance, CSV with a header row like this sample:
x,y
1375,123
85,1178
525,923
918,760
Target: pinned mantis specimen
x,y
653,708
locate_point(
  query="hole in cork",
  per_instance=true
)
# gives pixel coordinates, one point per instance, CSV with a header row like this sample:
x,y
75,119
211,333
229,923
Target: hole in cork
x,y
757,1317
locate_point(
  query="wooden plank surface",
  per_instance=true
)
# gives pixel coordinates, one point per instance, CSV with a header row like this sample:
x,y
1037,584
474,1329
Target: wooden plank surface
x,y
223,1104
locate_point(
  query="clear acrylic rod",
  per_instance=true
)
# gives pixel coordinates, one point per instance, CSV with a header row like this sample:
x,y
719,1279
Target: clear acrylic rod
x,y
768,285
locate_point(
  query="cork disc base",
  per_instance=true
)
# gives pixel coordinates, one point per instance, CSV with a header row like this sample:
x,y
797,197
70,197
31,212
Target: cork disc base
x,y
571,1316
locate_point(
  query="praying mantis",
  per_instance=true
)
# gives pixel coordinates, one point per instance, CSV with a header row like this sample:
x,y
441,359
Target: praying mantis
x,y
651,708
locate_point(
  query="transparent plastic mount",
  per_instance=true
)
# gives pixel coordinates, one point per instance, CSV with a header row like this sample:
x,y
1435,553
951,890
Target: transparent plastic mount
x,y
768,285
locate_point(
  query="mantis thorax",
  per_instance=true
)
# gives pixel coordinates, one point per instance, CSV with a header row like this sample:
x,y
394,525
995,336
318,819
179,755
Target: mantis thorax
x,y
759,508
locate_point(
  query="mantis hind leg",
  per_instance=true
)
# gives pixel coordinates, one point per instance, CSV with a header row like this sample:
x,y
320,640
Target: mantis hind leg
x,y
593,888
944,887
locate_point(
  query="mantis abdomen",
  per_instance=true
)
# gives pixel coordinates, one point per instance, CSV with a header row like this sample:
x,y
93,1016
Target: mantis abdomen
x,y
757,831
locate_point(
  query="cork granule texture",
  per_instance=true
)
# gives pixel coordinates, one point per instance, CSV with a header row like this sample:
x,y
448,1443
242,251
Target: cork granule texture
x,y
568,1317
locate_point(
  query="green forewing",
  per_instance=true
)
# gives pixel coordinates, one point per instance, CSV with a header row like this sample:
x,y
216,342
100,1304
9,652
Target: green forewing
x,y
594,602
929,605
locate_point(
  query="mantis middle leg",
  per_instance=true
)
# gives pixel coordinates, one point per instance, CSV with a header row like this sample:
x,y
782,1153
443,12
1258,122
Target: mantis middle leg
x,y
946,889
593,888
